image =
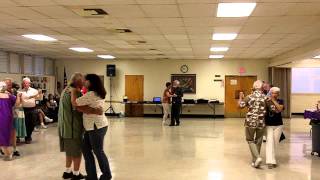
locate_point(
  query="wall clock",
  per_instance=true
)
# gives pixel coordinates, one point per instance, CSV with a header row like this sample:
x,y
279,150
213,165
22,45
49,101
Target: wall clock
x,y
184,68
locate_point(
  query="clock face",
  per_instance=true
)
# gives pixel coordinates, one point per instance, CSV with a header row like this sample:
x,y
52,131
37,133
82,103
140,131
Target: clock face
x,y
184,68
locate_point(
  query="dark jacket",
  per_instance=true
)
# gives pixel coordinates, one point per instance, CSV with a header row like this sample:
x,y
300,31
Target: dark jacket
x,y
179,92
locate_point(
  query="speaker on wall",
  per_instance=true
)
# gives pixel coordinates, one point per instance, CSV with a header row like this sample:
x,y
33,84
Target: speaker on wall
x,y
111,70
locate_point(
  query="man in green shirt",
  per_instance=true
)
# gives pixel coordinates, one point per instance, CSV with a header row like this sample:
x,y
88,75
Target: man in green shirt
x,y
70,126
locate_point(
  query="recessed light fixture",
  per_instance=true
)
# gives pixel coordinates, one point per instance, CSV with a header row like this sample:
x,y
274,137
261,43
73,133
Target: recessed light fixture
x,y
81,49
235,9
219,49
106,56
39,37
224,36
317,57
216,56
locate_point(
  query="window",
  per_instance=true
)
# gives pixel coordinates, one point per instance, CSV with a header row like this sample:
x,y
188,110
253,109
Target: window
x,y
306,80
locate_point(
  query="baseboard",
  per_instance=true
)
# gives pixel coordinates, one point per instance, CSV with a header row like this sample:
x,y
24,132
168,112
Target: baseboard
x,y
188,115
297,114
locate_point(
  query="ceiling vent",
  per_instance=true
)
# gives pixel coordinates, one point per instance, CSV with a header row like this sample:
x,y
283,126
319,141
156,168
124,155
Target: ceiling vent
x,y
123,30
90,12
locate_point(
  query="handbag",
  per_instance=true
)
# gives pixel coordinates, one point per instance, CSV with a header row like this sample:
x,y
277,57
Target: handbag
x,y
282,137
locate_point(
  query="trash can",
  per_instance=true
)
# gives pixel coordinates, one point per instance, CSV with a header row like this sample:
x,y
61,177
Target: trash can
x,y
315,124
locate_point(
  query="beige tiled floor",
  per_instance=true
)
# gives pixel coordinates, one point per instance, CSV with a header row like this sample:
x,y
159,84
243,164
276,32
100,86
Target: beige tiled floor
x,y
200,149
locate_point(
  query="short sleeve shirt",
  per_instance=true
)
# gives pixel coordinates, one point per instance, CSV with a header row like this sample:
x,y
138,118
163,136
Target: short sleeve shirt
x,y
90,120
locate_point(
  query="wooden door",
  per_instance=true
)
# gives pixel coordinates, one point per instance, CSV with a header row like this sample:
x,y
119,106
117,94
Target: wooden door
x,y
234,85
134,85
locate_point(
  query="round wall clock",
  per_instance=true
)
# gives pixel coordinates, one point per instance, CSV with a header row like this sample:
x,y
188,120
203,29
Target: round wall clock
x,y
184,68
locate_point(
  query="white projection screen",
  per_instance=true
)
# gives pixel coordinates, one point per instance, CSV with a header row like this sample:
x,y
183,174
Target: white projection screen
x,y
305,81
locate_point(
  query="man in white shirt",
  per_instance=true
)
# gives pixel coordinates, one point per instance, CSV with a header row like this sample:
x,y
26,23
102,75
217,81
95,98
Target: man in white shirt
x,y
28,98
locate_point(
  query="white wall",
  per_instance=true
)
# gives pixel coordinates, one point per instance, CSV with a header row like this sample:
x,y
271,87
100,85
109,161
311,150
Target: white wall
x,y
157,72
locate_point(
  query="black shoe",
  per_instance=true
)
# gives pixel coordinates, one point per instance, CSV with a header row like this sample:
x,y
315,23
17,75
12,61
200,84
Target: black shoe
x,y
77,177
178,124
1,152
16,153
67,175
28,140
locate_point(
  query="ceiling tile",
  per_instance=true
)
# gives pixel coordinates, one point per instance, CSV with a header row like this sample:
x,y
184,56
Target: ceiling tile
x,y
161,10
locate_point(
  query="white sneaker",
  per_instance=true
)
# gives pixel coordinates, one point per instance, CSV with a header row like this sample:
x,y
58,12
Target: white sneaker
x,y
258,162
36,129
43,126
48,119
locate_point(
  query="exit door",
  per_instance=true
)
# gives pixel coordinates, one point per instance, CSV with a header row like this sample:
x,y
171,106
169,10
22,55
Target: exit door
x,y
233,86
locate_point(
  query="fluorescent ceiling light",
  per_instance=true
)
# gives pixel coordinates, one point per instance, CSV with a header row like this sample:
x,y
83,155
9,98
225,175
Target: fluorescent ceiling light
x,y
317,57
81,49
216,56
224,36
39,37
235,9
219,49
106,56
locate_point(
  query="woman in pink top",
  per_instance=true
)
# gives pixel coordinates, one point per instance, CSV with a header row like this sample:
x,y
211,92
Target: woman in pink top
x,y
166,100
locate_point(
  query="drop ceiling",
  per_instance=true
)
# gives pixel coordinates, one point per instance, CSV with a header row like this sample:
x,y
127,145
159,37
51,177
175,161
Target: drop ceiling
x,y
174,29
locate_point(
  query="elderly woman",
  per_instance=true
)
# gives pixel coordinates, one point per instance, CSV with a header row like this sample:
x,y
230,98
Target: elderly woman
x,y
274,126
70,125
7,102
255,120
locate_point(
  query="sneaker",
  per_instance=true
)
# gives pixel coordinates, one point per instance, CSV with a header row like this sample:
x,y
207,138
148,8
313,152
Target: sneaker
x,y
36,129
48,120
43,127
8,158
16,153
67,175
252,164
258,162
77,177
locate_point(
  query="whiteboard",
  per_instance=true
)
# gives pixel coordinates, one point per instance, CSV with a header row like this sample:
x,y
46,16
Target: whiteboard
x,y
305,80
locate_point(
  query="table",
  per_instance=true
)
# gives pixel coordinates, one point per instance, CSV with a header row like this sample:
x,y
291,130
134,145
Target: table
x,y
312,114
314,117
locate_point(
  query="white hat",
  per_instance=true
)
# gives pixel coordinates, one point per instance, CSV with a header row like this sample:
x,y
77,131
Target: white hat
x,y
3,86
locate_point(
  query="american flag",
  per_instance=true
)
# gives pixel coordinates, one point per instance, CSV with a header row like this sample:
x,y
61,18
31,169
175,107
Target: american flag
x,y
65,81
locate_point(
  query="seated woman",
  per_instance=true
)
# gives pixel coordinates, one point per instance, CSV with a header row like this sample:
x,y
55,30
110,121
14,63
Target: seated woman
x,y
51,107
274,126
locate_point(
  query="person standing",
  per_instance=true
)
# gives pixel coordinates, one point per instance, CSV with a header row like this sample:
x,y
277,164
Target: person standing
x,y
274,125
166,100
19,127
29,96
70,126
96,126
7,102
176,103
255,120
